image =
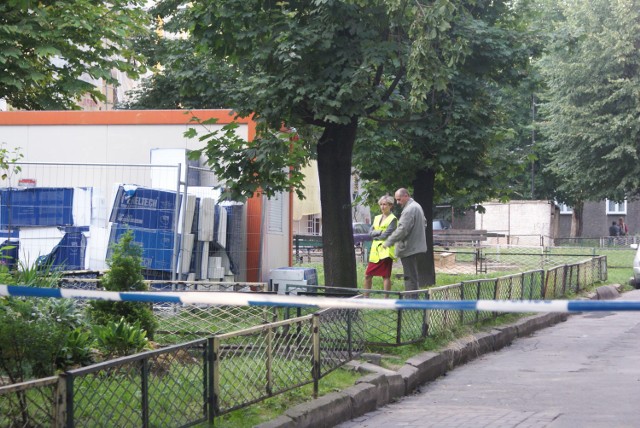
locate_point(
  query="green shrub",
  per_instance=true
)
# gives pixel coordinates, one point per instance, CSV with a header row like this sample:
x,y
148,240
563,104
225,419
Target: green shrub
x,y
30,340
125,274
117,339
77,349
36,276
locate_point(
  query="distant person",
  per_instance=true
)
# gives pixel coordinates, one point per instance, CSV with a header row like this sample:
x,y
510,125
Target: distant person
x,y
411,241
622,226
614,230
381,258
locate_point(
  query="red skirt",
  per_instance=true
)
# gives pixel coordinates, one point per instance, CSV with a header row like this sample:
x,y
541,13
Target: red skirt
x,y
382,268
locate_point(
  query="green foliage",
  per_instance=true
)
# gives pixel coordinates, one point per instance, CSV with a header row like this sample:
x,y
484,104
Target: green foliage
x,y
33,334
321,64
36,275
189,78
591,105
120,338
464,134
272,162
77,349
46,47
125,274
8,159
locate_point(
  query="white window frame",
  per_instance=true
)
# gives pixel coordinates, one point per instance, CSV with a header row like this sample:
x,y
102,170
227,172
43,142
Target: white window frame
x,y
275,210
615,208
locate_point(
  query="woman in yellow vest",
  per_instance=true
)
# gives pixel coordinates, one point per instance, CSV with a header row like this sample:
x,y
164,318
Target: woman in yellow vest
x,y
381,259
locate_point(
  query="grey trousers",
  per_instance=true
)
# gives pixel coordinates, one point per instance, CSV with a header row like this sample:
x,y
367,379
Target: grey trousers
x,y
415,271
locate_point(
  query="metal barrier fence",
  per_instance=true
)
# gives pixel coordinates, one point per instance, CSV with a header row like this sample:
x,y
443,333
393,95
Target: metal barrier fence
x,y
570,279
31,404
193,382
263,361
70,213
181,385
414,325
165,387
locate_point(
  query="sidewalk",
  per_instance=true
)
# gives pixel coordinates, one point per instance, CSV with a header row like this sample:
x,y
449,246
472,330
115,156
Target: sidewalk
x,y
381,386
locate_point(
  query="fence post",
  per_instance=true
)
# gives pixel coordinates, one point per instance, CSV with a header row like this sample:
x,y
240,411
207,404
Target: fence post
x,y
213,345
68,379
177,246
60,403
315,331
478,287
425,321
269,362
462,298
565,269
399,324
350,333
296,238
144,389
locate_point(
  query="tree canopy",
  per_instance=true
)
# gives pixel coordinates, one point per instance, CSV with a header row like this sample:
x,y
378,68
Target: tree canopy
x,y
592,104
324,64
459,146
47,46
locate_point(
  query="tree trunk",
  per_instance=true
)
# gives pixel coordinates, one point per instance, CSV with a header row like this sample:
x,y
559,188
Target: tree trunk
x,y
576,220
335,148
423,194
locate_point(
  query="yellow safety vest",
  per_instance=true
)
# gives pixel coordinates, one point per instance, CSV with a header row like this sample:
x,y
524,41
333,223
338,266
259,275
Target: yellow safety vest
x,y
378,252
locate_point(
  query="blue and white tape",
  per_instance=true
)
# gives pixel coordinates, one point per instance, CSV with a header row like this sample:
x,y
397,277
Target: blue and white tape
x,y
259,299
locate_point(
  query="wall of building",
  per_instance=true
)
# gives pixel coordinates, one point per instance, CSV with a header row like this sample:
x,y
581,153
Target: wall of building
x,y
524,222
128,137
596,221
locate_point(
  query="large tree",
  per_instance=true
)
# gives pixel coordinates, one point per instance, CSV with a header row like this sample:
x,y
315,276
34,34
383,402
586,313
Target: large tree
x,y
592,105
322,64
461,146
47,46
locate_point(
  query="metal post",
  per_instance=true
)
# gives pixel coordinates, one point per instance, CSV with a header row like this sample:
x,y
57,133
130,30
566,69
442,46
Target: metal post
x,y
399,324
350,333
176,235
213,345
269,362
144,389
69,398
60,412
462,298
315,331
425,320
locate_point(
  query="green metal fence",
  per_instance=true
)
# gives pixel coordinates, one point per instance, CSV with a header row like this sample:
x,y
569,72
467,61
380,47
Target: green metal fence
x,y
193,382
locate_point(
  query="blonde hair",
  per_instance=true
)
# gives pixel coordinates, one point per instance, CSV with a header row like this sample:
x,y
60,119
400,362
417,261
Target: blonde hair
x,y
386,199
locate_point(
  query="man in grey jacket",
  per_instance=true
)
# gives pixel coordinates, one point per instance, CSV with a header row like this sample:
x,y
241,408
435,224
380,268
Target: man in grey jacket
x,y
411,241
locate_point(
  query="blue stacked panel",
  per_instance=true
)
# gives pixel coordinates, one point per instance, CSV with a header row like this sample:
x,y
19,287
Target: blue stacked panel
x,y
145,208
41,206
69,254
157,245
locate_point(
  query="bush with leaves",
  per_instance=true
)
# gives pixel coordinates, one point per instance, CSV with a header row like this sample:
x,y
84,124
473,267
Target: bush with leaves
x,y
125,274
117,339
33,333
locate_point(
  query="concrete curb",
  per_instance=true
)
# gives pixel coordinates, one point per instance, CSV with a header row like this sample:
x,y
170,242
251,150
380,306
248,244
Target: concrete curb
x,y
382,386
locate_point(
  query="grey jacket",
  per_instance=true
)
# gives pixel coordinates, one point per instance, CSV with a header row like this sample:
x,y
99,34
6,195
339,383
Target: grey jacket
x,y
410,236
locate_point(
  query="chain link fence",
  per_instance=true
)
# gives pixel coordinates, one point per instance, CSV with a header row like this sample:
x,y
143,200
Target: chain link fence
x,y
31,404
181,385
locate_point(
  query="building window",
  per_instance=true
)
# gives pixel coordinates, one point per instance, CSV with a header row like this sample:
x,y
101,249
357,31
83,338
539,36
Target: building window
x,y
313,224
616,208
275,210
565,209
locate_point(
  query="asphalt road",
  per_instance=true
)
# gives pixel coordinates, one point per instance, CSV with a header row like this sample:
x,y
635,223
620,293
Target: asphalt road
x,y
584,372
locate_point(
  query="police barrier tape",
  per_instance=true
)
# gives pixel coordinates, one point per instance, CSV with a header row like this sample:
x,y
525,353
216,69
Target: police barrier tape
x,y
260,299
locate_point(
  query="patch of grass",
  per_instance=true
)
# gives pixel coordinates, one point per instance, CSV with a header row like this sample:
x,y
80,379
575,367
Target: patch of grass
x,y
273,407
